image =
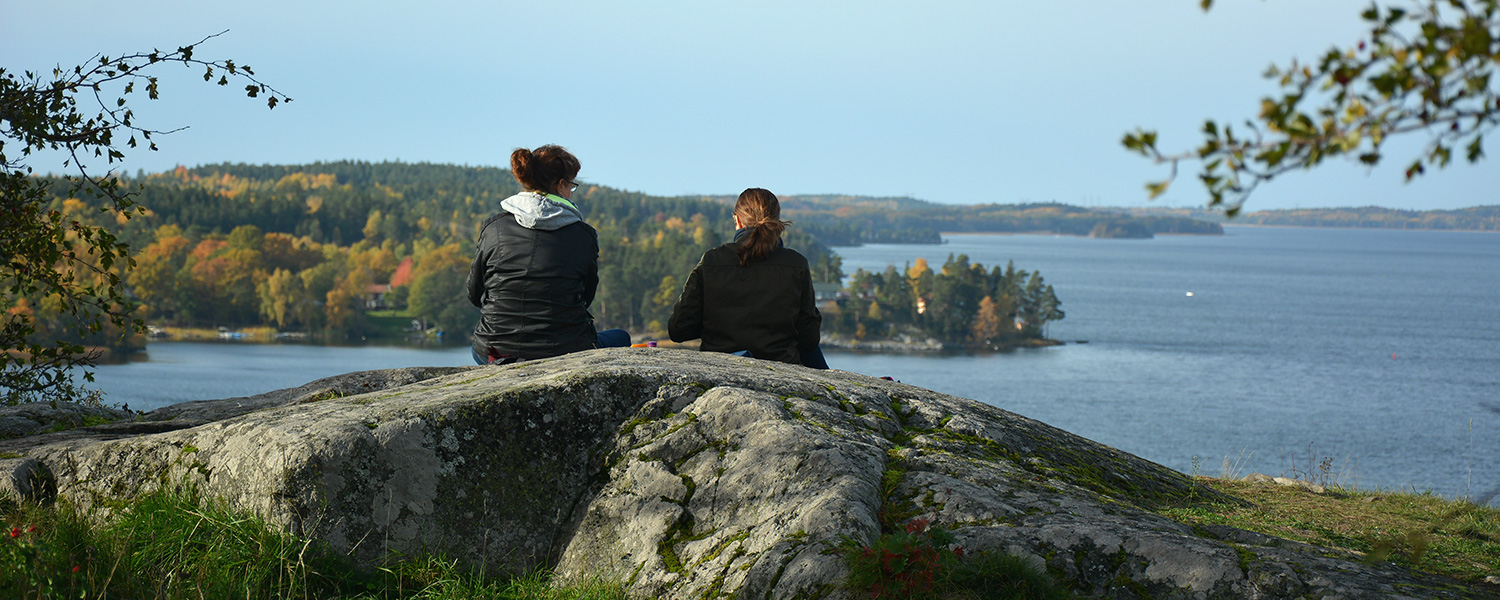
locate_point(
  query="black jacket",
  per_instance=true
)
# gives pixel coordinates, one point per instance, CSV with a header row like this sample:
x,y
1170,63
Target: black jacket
x,y
534,287
766,307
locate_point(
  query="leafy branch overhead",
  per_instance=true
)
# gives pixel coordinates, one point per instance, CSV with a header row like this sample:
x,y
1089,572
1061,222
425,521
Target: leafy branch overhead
x,y
50,260
1429,69
43,113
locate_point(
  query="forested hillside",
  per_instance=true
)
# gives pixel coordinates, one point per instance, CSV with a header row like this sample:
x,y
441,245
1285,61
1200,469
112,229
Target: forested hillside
x,y
1477,218
1474,218
309,247
349,249
853,220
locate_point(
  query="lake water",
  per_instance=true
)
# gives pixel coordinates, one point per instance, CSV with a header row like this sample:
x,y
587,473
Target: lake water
x,y
182,371
1375,349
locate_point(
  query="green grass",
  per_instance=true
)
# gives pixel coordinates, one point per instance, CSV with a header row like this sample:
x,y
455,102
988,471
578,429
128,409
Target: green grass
x,y
1422,531
179,546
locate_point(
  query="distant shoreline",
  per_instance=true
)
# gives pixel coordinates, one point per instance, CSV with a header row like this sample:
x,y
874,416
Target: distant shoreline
x,y
1278,226
929,346
1175,234
1055,234
1008,233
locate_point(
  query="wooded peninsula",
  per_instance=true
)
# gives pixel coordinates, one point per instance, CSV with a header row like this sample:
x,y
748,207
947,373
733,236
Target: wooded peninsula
x,y
1474,218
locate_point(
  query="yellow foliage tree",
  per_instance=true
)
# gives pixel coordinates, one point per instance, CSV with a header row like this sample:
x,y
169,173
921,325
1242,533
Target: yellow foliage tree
x,y
279,293
987,323
372,225
346,299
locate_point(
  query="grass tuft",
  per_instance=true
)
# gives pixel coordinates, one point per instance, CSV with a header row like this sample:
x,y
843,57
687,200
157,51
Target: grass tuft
x,y
177,545
1425,532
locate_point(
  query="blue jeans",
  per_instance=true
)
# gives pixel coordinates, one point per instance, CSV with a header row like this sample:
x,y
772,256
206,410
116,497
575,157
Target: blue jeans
x,y
609,338
614,338
813,359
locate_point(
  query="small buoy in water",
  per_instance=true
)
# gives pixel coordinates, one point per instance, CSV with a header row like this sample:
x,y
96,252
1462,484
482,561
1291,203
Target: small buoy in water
x,y
1190,294
1393,356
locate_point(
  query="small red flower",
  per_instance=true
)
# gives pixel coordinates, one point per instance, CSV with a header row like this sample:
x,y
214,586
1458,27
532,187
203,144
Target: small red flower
x,y
76,568
31,529
15,532
959,551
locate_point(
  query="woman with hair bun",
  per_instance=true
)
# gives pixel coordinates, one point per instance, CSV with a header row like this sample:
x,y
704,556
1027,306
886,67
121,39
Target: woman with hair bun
x,y
752,296
537,268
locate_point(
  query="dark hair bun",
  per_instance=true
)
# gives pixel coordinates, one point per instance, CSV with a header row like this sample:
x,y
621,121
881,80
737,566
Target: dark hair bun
x,y
542,169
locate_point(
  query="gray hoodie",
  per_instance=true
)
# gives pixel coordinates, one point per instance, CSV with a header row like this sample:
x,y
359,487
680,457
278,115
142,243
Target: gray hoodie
x,y
537,211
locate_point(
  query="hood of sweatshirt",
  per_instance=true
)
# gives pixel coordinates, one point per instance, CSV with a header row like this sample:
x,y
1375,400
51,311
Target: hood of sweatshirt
x,y
744,232
543,212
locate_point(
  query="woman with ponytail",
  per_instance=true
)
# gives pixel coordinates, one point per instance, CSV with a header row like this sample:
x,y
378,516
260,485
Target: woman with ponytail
x,y
752,296
537,267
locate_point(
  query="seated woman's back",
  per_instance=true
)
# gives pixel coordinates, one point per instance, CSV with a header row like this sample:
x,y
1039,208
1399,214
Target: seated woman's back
x,y
536,267
751,294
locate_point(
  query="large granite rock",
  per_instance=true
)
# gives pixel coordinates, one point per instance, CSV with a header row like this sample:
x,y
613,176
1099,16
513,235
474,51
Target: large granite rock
x,y
685,475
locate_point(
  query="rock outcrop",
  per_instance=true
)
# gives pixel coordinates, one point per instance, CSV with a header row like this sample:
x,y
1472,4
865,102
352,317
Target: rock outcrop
x,y
42,417
685,475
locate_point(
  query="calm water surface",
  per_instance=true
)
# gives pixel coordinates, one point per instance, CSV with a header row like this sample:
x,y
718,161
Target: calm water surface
x,y
1376,349
182,371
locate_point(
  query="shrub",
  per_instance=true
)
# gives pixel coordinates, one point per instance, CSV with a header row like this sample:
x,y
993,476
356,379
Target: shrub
x,y
921,561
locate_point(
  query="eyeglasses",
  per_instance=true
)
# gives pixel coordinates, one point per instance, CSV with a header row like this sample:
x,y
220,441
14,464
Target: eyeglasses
x,y
572,186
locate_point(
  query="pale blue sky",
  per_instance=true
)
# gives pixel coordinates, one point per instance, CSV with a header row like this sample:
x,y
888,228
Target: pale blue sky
x,y
948,101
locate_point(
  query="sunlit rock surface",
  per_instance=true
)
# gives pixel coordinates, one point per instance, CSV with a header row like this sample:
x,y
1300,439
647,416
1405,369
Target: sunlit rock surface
x,y
685,475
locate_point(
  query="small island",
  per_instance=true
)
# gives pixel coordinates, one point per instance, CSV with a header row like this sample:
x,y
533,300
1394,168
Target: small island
x,y
961,306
